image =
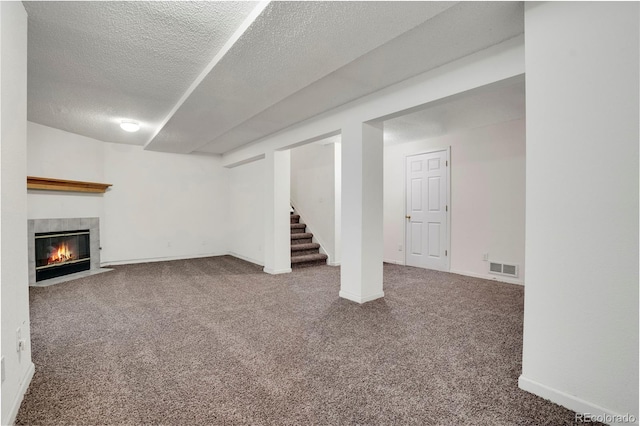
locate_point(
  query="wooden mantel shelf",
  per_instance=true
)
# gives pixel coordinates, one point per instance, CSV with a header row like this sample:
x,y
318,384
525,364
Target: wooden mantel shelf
x,y
65,185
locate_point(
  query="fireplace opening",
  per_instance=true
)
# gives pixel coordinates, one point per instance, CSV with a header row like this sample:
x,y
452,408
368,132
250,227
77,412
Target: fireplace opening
x,y
61,253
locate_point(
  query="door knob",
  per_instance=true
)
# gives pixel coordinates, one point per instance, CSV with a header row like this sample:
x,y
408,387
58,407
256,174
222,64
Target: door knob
x,y
408,216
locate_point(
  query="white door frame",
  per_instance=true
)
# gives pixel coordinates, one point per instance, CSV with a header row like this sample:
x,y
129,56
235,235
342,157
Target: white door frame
x,y
448,213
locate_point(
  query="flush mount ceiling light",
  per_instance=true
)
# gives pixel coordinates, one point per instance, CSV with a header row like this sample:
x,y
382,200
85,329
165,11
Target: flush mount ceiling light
x,y
129,125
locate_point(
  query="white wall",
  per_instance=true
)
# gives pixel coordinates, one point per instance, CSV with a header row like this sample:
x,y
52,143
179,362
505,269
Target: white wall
x,y
246,227
14,278
66,155
63,155
487,197
581,300
313,191
161,206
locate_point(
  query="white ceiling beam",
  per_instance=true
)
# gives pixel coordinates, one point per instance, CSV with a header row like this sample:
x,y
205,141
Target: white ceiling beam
x,y
501,62
227,46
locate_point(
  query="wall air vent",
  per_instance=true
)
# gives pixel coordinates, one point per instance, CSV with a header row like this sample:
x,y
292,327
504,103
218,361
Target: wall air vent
x,y
495,267
503,269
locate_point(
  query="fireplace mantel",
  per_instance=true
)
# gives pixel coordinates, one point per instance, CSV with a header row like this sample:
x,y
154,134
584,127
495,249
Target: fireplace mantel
x,y
51,184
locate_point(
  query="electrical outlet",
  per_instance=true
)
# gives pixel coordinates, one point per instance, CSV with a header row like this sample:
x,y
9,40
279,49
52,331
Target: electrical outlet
x,y
485,256
21,344
399,247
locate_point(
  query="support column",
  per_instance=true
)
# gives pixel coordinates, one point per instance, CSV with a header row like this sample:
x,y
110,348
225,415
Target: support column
x,y
337,188
277,232
362,237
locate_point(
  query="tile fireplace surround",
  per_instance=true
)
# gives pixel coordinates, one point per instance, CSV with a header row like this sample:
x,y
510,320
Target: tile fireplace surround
x,y
66,224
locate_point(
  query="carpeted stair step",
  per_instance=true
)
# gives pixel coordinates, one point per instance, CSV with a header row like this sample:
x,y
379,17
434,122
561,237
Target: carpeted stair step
x,y
304,249
304,252
302,238
319,257
307,246
298,228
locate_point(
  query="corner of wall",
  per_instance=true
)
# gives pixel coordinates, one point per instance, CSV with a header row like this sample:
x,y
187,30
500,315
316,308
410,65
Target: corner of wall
x,y
15,406
14,277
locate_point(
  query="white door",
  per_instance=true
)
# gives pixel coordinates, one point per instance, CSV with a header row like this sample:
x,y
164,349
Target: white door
x,y
427,211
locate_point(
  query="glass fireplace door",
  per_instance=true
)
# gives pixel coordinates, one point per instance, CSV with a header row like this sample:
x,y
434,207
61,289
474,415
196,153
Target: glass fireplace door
x,y
61,253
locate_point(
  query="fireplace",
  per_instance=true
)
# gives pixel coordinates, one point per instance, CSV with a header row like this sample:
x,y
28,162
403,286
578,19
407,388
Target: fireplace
x,y
63,246
61,253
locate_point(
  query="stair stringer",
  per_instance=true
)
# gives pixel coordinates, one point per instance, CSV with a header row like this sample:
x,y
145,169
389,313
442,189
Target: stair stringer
x,y
315,238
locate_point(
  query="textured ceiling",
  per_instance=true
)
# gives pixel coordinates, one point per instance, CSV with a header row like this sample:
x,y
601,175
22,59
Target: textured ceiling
x,y
473,110
463,29
94,63
289,46
479,108
91,64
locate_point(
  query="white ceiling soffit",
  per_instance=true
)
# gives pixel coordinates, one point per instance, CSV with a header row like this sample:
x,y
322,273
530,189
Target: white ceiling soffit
x,y
478,109
463,29
288,47
91,64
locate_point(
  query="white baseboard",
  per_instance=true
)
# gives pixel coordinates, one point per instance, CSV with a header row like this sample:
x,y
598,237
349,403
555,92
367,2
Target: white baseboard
x,y
333,263
246,259
160,259
580,406
489,277
24,385
469,274
359,299
276,271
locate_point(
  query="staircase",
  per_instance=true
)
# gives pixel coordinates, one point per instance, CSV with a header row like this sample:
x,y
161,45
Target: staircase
x,y
304,252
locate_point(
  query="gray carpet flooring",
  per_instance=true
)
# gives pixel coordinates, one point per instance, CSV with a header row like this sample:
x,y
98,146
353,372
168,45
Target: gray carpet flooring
x,y
216,341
